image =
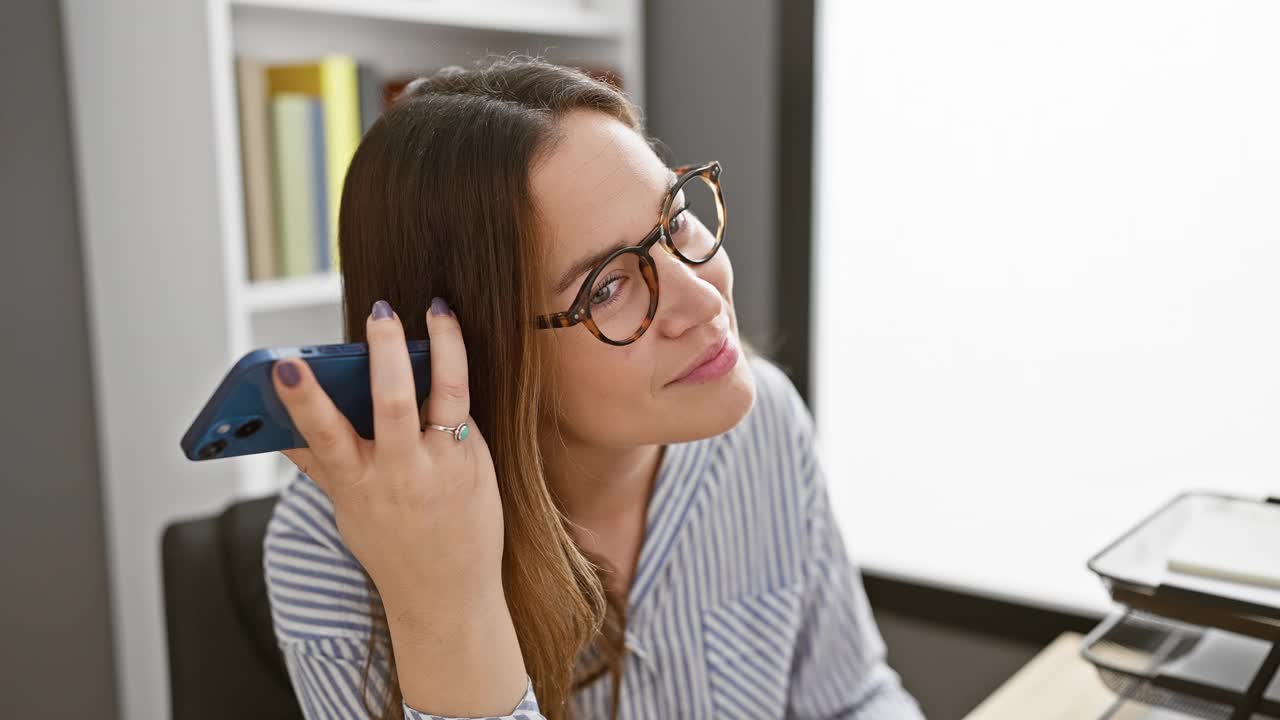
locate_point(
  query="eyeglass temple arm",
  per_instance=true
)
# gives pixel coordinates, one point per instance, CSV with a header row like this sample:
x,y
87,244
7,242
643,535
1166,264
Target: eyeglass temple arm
x,y
556,320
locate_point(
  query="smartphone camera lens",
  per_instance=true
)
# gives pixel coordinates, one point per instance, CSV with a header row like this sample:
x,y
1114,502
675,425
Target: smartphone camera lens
x,y
248,428
212,449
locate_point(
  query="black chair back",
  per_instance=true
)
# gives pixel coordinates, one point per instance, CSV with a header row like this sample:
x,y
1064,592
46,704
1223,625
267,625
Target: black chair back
x,y
223,657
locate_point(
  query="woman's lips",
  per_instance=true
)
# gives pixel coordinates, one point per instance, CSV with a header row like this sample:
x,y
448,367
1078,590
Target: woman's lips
x,y
719,365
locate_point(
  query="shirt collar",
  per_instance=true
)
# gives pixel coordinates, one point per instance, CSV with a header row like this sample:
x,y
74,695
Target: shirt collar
x,y
681,475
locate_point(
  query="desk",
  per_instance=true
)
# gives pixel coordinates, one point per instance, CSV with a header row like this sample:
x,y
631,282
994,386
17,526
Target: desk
x,y
1058,684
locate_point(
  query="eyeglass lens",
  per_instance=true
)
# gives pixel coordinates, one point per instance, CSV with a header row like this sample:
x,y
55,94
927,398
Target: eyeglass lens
x,y
619,299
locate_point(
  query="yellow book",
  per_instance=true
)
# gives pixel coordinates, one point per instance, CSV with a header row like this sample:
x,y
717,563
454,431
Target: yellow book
x,y
333,78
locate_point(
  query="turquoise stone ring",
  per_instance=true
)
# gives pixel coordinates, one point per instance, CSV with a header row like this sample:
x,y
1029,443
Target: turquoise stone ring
x,y
459,433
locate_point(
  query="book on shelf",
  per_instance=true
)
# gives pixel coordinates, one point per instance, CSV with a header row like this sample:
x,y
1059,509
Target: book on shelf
x,y
256,168
370,80
320,239
334,81
293,126
305,175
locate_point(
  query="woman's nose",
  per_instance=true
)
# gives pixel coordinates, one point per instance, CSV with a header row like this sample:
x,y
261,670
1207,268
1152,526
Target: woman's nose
x,y
686,296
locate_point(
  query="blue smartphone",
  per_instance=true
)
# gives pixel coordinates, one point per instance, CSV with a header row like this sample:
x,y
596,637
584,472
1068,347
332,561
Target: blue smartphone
x,y
244,415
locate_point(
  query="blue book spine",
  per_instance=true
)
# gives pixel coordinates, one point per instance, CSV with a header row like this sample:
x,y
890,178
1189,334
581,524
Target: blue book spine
x,y
321,184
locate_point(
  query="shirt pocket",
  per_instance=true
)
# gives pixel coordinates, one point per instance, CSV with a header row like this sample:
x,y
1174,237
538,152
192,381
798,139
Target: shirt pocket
x,y
749,642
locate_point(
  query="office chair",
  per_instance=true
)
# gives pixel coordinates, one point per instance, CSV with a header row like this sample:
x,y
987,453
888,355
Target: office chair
x,y
223,657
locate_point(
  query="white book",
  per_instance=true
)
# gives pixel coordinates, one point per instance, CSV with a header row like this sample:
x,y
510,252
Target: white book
x,y
1237,542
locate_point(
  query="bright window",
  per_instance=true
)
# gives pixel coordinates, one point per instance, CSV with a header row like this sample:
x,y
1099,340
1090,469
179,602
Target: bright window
x,y
1047,271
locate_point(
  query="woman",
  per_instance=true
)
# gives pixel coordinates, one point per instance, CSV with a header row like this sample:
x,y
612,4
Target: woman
x,y
602,478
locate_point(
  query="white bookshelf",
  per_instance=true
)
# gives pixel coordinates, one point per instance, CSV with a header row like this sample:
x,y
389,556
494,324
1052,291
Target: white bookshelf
x,y
161,208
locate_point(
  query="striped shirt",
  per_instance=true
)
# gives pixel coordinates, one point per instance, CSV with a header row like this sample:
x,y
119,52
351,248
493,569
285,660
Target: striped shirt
x,y
744,601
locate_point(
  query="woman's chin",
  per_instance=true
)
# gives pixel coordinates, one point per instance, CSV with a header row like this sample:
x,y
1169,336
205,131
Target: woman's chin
x,y
708,409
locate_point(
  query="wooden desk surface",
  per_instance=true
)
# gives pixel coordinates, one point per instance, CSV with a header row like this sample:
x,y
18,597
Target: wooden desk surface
x,y
1058,684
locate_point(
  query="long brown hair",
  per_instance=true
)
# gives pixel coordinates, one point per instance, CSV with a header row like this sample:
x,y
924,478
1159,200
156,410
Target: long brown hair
x,y
437,202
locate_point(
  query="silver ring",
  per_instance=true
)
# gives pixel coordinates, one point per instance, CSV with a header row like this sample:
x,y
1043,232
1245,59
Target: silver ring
x,y
459,433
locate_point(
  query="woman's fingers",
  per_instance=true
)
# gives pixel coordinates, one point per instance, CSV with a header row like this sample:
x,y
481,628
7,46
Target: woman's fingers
x,y
306,462
449,399
329,435
395,402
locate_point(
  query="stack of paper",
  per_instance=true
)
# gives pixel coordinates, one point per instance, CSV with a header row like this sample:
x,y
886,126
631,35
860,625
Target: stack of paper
x,y
1235,542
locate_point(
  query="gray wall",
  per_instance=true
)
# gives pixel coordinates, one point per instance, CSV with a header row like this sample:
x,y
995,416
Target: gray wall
x,y
54,613
710,94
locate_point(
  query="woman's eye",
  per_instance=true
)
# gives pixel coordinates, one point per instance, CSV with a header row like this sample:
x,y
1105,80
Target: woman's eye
x,y
677,222
605,292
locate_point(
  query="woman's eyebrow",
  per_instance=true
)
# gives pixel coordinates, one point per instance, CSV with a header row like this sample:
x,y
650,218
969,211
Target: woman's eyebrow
x,y
586,264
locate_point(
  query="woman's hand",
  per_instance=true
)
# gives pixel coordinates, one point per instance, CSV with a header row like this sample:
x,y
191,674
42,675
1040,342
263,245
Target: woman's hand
x,y
421,513
419,509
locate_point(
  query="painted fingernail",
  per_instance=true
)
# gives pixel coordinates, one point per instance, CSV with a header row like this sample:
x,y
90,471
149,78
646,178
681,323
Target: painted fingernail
x,y
381,310
288,373
439,307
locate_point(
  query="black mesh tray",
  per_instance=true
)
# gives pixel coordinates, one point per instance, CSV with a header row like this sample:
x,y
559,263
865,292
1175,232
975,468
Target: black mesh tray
x,y
1197,671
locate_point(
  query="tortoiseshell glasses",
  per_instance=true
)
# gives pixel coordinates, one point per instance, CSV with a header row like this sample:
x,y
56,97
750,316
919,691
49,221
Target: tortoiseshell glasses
x,y
619,297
